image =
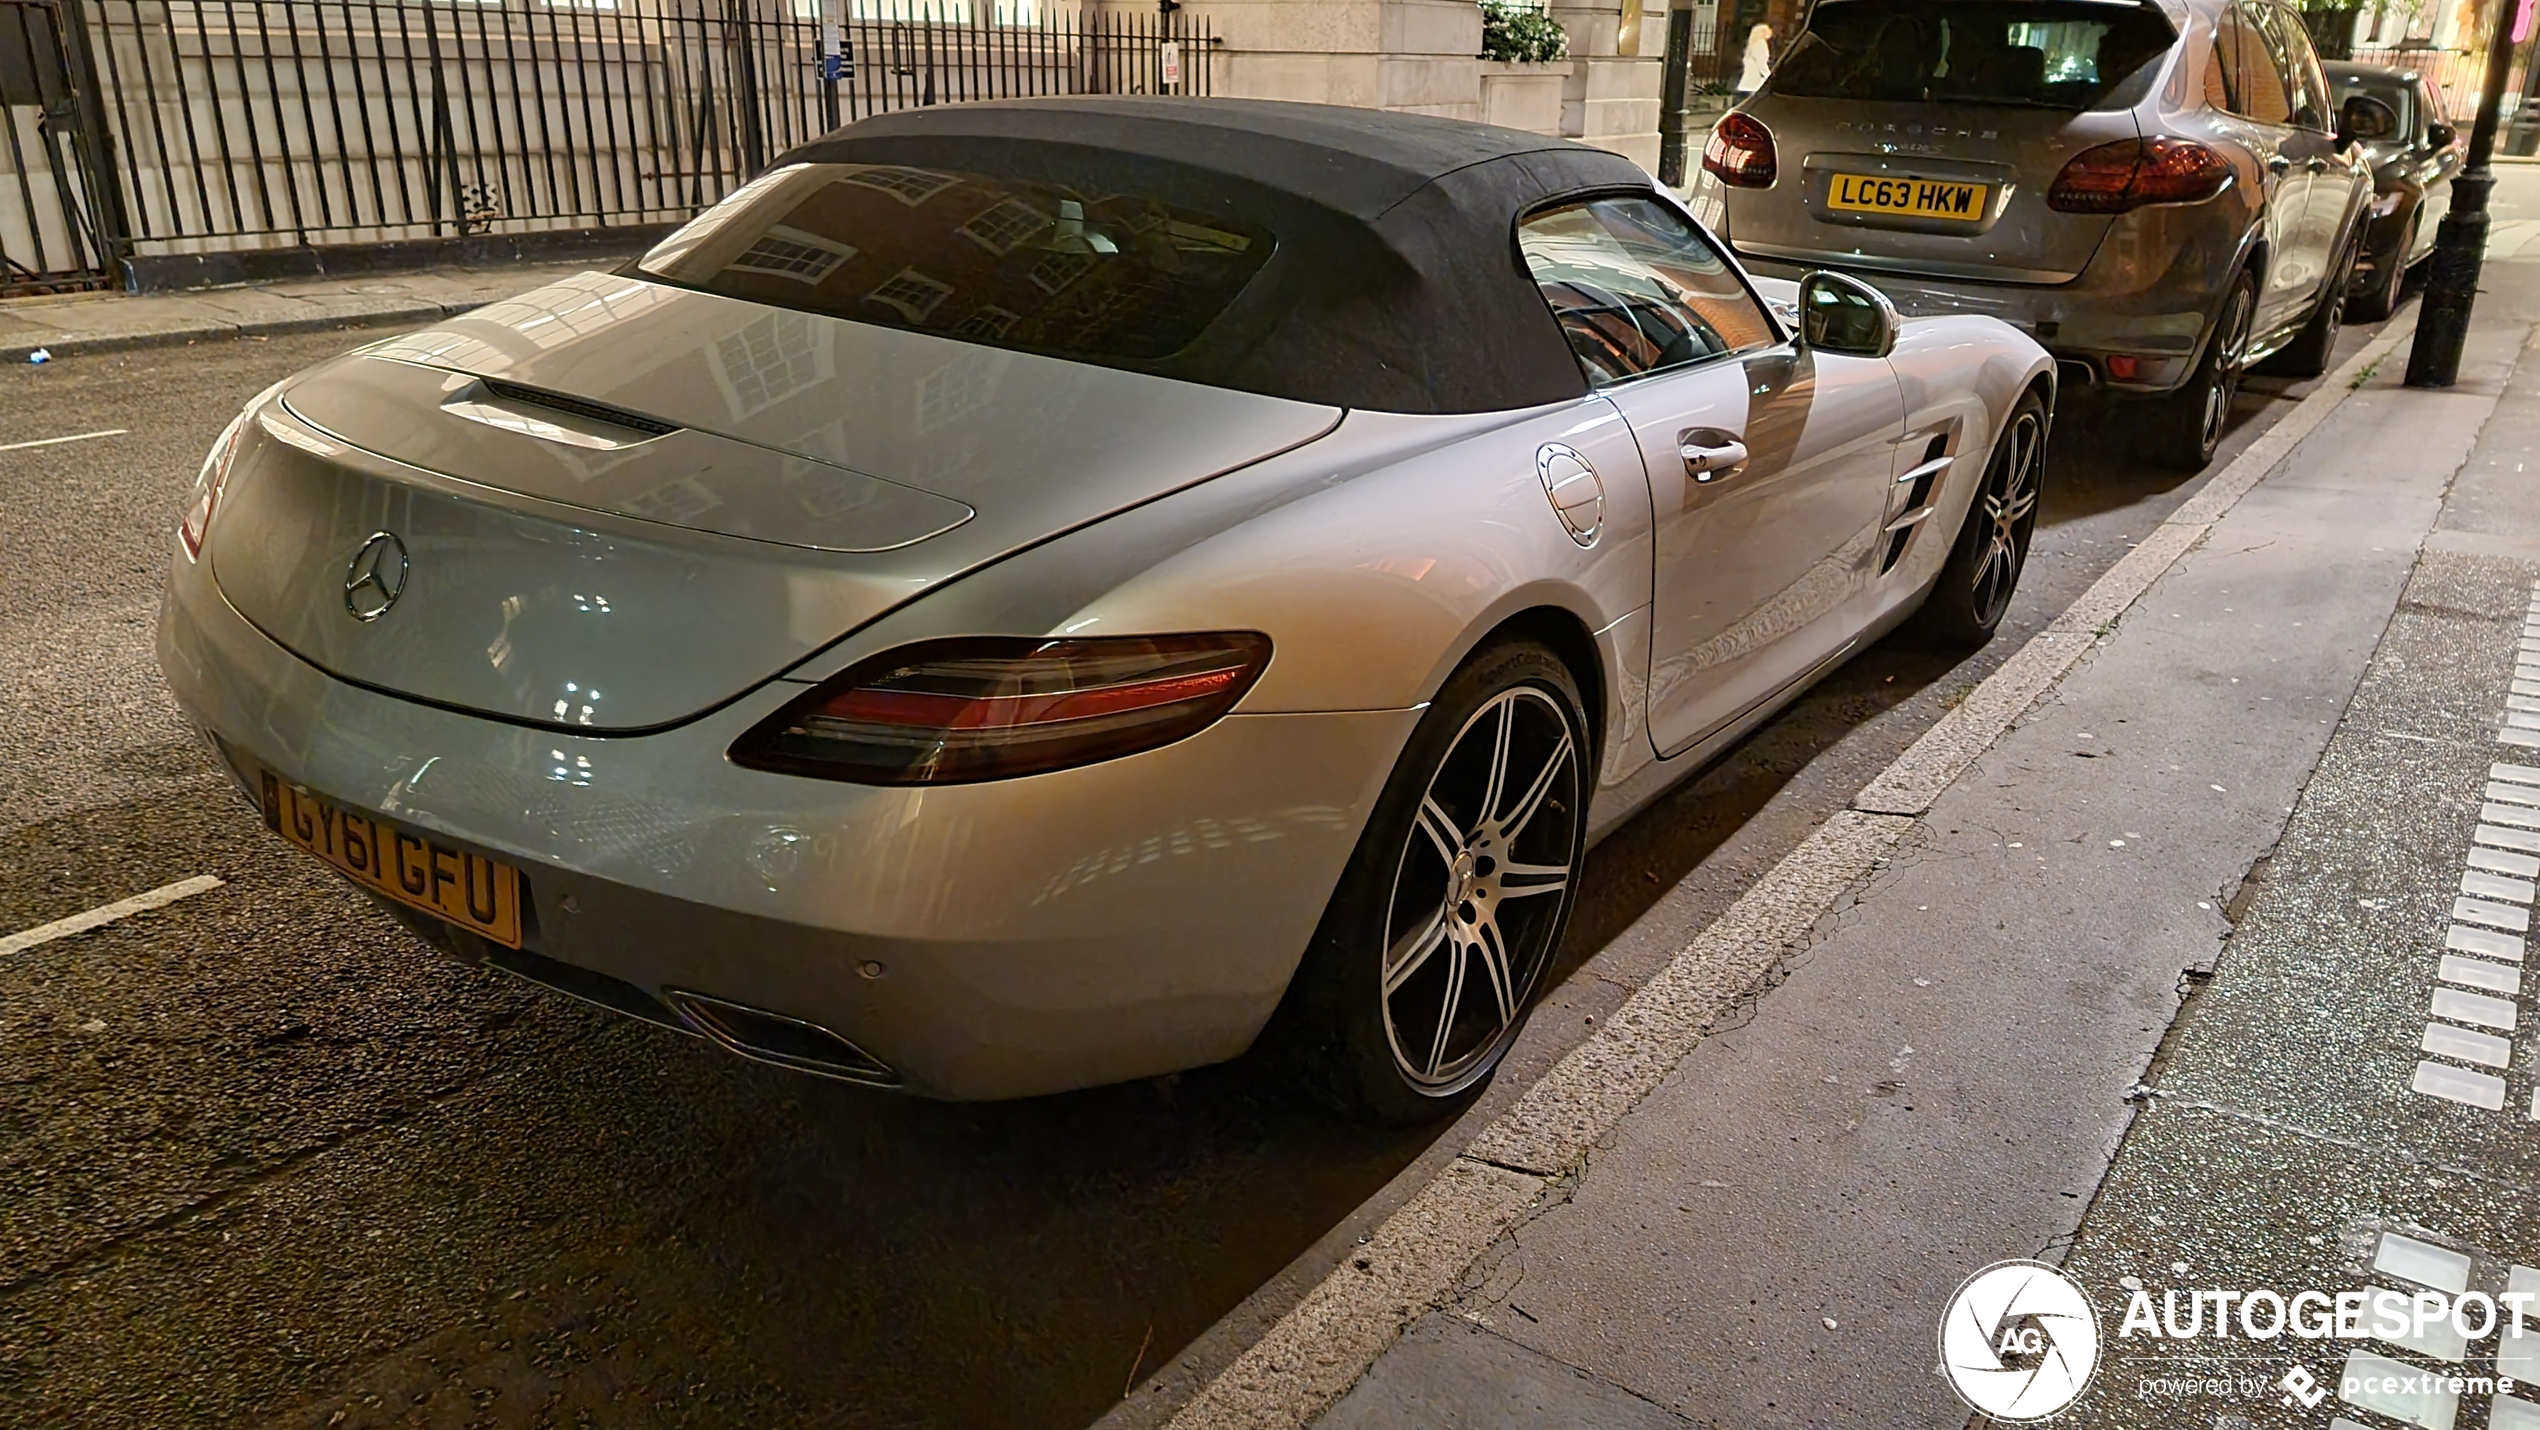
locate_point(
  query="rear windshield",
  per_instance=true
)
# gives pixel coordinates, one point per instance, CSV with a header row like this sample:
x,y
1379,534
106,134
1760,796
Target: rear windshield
x,y
1095,275
2044,56
2397,93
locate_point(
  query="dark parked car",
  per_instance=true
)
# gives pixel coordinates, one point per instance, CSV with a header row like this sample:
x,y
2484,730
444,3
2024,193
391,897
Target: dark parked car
x,y
2163,193
2411,178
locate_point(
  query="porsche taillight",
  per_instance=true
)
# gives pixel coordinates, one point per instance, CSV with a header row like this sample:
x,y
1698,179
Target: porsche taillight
x,y
2130,173
1740,152
197,522
982,708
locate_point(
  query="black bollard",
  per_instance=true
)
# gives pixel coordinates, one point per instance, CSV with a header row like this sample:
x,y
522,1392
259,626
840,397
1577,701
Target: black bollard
x,y
2460,244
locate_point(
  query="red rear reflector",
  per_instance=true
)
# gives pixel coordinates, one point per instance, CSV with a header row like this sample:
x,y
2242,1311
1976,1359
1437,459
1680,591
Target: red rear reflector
x,y
2122,367
993,707
1740,152
2130,173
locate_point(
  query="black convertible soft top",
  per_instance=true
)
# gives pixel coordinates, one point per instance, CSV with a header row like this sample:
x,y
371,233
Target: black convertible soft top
x,y
1395,284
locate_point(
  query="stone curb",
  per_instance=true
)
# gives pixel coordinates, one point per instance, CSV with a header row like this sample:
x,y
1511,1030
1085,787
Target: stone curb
x,y
17,349
1412,1261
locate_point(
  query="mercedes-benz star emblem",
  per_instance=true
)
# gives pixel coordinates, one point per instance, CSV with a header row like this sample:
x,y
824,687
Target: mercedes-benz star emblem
x,y
376,578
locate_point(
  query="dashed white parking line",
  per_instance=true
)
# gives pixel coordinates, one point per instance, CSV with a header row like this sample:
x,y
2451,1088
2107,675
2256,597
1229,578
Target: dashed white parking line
x,y
2462,1045
157,898
2491,912
2480,973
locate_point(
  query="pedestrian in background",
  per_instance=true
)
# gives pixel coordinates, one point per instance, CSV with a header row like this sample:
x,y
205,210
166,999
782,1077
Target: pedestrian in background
x,y
1759,59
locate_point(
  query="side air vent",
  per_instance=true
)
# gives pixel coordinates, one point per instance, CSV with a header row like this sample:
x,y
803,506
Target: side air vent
x,y
1922,481
577,407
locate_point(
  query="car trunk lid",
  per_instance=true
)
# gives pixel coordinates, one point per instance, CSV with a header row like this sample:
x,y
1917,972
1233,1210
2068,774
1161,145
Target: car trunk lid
x,y
621,504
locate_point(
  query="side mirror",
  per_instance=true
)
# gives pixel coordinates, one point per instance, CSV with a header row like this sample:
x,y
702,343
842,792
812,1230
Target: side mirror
x,y
2441,136
2364,119
1841,314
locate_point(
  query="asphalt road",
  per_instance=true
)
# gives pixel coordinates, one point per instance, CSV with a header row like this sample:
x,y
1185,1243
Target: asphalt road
x,y
268,1161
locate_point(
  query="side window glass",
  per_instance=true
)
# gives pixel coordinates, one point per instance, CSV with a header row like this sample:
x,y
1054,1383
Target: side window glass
x,y
2265,93
2302,63
1636,289
2222,72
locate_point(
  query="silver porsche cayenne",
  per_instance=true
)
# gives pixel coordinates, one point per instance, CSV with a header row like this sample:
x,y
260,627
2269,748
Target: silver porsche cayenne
x,y
1021,594
2163,192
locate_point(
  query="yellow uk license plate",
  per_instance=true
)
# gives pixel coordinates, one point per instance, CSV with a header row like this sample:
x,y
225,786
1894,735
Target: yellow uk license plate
x,y
478,894
1906,197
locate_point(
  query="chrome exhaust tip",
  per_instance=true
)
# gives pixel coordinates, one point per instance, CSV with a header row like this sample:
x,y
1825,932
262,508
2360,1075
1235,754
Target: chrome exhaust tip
x,y
766,1037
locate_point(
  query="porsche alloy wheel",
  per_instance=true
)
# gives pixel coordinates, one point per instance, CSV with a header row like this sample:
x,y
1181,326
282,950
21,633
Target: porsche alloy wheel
x,y
1479,889
1446,921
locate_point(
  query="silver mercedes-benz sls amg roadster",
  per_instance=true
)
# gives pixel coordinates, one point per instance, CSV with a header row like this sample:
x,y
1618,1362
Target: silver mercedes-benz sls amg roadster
x,y
1023,593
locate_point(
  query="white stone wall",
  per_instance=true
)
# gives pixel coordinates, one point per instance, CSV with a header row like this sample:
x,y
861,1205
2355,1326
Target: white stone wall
x,y
1423,57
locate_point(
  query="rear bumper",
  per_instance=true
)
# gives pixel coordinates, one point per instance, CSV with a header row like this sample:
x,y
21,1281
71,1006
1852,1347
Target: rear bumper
x,y
2103,313
980,941
2149,292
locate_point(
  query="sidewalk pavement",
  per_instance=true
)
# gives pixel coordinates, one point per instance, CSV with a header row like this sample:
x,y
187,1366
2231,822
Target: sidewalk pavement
x,y
101,322
1947,1063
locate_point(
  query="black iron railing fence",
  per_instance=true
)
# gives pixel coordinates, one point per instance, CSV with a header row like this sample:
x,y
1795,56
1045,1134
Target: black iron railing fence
x,y
244,123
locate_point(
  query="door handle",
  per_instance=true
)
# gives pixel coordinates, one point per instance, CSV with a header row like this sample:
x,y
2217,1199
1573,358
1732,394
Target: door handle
x,y
2279,164
1710,456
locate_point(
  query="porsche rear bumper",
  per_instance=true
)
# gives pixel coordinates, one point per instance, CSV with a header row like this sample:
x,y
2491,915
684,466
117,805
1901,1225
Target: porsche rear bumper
x,y
981,941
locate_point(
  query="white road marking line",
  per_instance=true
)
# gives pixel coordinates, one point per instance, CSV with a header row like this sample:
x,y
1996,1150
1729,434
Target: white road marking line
x,y
2476,1008
2482,911
2526,687
2442,1340
2480,973
2512,1414
2522,702
2459,1085
2528,739
2496,861
57,441
2520,815
157,898
2519,720
2460,1044
2486,941
2504,793
2422,1262
2518,1354
2501,838
2496,886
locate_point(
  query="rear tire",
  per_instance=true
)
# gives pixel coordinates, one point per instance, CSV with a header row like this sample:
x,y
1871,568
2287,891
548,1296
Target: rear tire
x,y
1448,916
2309,352
2389,278
2182,431
1966,604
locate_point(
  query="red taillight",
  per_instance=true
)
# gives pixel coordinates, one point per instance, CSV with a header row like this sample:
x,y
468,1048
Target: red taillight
x,y
207,485
993,707
1740,152
2130,173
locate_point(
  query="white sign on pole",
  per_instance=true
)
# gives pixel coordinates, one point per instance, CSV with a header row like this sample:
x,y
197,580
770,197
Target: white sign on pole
x,y
1169,63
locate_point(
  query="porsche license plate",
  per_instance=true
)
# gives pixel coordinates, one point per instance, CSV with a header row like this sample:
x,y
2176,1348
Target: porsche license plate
x,y
1906,197
478,894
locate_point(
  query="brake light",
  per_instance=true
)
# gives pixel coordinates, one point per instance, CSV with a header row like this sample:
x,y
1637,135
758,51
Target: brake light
x,y
1740,152
207,487
993,707
2126,175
